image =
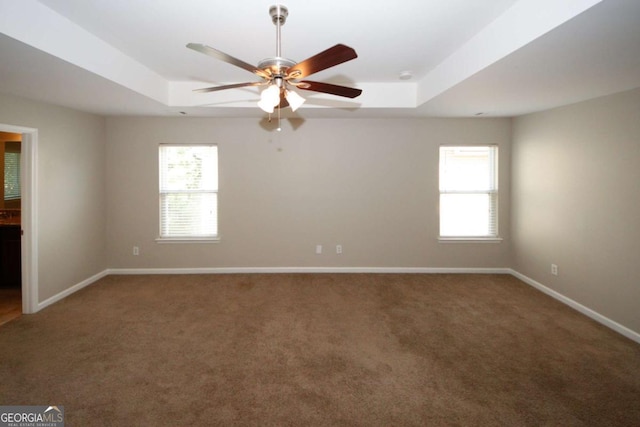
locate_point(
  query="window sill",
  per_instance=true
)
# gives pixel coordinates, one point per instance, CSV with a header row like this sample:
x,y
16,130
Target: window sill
x,y
188,240
469,239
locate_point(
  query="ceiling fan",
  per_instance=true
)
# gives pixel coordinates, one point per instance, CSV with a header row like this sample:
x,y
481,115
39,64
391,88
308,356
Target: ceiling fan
x,y
280,75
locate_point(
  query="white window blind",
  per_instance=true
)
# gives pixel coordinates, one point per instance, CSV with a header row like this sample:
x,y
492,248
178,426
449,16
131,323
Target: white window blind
x,y
11,176
188,191
469,191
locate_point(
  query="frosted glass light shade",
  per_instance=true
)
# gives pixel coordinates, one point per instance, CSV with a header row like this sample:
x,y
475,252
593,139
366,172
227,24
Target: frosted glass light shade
x,y
269,98
265,106
295,100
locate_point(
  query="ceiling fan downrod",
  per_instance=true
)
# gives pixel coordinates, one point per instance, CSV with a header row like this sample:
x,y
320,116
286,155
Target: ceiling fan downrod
x,y
277,65
279,15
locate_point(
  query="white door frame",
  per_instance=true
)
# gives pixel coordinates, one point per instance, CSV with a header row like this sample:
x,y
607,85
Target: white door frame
x,y
29,214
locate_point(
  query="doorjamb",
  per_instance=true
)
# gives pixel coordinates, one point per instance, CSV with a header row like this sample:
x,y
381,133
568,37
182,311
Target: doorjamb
x,y
29,214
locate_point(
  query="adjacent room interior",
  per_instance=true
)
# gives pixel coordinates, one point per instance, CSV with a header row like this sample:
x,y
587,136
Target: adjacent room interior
x,y
10,247
440,227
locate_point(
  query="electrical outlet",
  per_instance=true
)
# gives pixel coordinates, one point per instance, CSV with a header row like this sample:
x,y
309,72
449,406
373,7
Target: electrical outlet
x,y
136,250
318,249
554,269
338,249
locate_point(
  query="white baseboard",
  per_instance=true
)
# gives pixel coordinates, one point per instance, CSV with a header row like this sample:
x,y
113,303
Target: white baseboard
x,y
623,330
71,290
268,270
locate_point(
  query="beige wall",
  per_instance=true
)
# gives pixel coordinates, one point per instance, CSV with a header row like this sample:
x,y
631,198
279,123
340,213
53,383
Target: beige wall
x,y
369,185
576,203
71,195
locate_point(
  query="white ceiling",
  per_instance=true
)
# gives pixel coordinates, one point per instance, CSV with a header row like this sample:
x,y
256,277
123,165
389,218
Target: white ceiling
x,y
467,57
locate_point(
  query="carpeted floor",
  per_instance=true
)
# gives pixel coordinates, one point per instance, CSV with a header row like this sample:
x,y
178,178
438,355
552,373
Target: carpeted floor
x,y
319,349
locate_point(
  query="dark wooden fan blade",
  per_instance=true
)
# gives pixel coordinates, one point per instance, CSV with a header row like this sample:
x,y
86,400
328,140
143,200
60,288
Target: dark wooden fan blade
x,y
233,86
226,58
347,92
333,56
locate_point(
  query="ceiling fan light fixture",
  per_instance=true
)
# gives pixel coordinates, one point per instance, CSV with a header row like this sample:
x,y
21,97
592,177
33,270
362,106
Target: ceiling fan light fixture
x,y
295,100
269,98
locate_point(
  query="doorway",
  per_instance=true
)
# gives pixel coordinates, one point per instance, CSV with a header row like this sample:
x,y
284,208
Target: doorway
x,y
20,247
10,227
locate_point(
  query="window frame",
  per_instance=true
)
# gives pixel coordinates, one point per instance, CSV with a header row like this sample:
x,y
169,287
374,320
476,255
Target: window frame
x,y
195,238
495,238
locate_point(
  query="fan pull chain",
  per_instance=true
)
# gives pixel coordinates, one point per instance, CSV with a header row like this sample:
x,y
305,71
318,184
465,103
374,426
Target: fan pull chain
x,y
279,128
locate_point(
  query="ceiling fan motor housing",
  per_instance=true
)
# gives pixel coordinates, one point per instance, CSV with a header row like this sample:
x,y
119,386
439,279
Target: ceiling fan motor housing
x,y
276,65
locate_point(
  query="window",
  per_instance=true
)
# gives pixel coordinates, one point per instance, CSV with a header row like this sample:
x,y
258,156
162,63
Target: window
x,y
188,192
469,192
11,175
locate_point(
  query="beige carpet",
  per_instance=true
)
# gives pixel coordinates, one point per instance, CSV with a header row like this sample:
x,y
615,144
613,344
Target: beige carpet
x,y
319,349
